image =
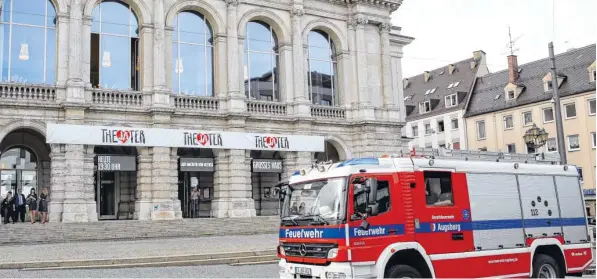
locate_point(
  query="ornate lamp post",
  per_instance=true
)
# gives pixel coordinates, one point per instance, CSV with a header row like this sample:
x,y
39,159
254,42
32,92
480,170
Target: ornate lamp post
x,y
535,137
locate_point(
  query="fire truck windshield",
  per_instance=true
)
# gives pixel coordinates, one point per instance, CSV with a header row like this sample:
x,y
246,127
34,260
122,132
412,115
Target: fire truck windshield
x,y
315,202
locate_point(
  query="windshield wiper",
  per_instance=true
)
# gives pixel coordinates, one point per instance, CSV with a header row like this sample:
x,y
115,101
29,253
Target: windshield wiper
x,y
290,219
317,220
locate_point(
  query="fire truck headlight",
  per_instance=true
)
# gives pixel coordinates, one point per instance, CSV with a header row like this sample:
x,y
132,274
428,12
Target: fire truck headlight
x,y
281,250
335,275
333,253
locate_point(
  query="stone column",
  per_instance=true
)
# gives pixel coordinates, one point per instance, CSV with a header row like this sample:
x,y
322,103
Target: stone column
x,y
161,94
62,59
386,71
143,203
58,171
162,186
86,50
365,108
75,90
232,185
74,205
354,90
89,183
299,63
235,98
146,41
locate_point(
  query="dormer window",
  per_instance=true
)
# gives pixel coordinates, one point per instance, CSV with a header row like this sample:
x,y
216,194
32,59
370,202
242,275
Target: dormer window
x,y
511,95
451,100
424,107
548,85
593,75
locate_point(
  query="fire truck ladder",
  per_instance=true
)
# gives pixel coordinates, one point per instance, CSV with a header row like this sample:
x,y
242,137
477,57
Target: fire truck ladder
x,y
448,154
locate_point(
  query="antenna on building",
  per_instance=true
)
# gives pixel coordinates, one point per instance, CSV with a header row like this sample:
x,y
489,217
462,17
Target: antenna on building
x,y
511,45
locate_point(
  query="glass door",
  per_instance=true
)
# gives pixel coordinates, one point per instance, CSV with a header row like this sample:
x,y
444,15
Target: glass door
x,y
106,192
28,181
8,182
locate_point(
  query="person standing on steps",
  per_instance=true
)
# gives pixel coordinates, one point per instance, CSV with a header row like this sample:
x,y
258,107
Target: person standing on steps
x,y
43,205
8,208
32,202
20,206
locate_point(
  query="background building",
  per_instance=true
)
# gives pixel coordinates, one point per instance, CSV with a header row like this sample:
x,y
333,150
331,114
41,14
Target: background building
x,y
435,103
504,105
139,76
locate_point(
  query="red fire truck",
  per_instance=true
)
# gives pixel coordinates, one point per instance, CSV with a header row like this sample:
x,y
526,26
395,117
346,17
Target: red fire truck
x,y
433,217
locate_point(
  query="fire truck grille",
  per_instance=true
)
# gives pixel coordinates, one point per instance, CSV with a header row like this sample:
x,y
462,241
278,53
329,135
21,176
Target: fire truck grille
x,y
308,250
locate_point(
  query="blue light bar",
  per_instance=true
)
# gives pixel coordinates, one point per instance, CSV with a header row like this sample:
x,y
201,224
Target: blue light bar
x,y
359,161
296,173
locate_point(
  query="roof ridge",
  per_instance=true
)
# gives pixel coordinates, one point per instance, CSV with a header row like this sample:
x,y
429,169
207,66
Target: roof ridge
x,y
438,68
542,59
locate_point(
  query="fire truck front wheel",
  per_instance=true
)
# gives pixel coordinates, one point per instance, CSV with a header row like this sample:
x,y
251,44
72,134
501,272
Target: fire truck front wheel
x,y
402,271
545,266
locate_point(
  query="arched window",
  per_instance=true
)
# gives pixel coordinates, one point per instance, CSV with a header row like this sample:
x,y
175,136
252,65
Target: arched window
x,y
261,62
28,48
322,69
114,47
192,55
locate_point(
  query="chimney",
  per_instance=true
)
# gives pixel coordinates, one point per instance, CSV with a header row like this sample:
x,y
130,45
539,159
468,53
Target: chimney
x,y
512,69
478,54
404,83
450,69
427,76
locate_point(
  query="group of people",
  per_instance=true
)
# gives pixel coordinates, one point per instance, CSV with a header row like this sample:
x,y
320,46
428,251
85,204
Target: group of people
x,y
14,207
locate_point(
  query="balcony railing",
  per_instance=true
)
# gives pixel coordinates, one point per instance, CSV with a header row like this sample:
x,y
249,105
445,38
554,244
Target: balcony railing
x,y
116,98
266,108
27,92
196,103
325,112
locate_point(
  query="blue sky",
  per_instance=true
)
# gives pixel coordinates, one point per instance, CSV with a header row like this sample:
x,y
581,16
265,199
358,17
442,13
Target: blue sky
x,y
447,31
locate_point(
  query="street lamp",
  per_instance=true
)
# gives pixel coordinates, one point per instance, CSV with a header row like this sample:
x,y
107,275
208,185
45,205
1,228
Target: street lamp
x,y
535,137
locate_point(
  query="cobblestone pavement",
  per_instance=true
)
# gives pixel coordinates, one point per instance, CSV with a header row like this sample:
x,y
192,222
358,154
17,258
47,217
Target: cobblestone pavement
x,y
206,271
136,248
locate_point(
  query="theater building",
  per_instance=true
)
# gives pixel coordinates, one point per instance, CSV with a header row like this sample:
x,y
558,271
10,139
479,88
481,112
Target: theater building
x,y
167,109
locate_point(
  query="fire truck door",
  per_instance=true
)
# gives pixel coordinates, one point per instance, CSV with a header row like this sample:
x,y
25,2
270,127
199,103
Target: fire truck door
x,y
385,228
442,212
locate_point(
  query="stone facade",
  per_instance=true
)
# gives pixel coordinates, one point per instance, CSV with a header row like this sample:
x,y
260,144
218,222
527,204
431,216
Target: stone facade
x,y
367,121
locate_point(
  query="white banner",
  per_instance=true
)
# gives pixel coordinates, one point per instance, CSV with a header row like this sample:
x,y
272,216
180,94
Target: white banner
x,y
124,136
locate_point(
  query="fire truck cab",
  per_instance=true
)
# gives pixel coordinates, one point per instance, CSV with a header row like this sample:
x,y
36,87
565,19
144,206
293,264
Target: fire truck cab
x,y
433,217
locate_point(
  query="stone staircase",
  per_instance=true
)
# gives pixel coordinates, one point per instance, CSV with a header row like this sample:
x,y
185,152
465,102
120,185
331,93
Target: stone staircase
x,y
25,233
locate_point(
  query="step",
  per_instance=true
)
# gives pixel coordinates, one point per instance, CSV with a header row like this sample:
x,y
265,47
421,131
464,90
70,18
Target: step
x,y
216,258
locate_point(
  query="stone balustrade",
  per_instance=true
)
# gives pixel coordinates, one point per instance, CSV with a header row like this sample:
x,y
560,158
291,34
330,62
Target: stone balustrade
x,y
115,98
196,103
326,112
266,108
27,92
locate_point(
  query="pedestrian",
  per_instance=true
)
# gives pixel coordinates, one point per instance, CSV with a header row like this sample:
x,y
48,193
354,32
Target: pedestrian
x,y
20,206
8,208
32,202
43,205
195,196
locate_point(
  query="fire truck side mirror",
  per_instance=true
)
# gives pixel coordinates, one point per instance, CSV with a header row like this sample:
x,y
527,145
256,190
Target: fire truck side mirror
x,y
371,188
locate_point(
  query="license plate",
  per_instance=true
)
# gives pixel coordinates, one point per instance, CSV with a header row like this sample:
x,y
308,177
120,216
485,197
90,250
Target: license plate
x,y
302,270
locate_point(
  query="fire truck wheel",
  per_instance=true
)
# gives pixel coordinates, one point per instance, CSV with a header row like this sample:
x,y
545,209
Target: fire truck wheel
x,y
402,271
545,266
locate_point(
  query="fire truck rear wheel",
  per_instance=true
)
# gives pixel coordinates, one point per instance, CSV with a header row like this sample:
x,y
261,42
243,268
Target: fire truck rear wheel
x,y
545,266
402,271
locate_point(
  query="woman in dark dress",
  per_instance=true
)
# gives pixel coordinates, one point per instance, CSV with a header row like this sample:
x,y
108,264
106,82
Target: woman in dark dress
x,y
8,208
43,205
32,202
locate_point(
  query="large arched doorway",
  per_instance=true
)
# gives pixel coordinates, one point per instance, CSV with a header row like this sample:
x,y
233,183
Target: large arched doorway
x,y
330,153
115,181
24,164
195,181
